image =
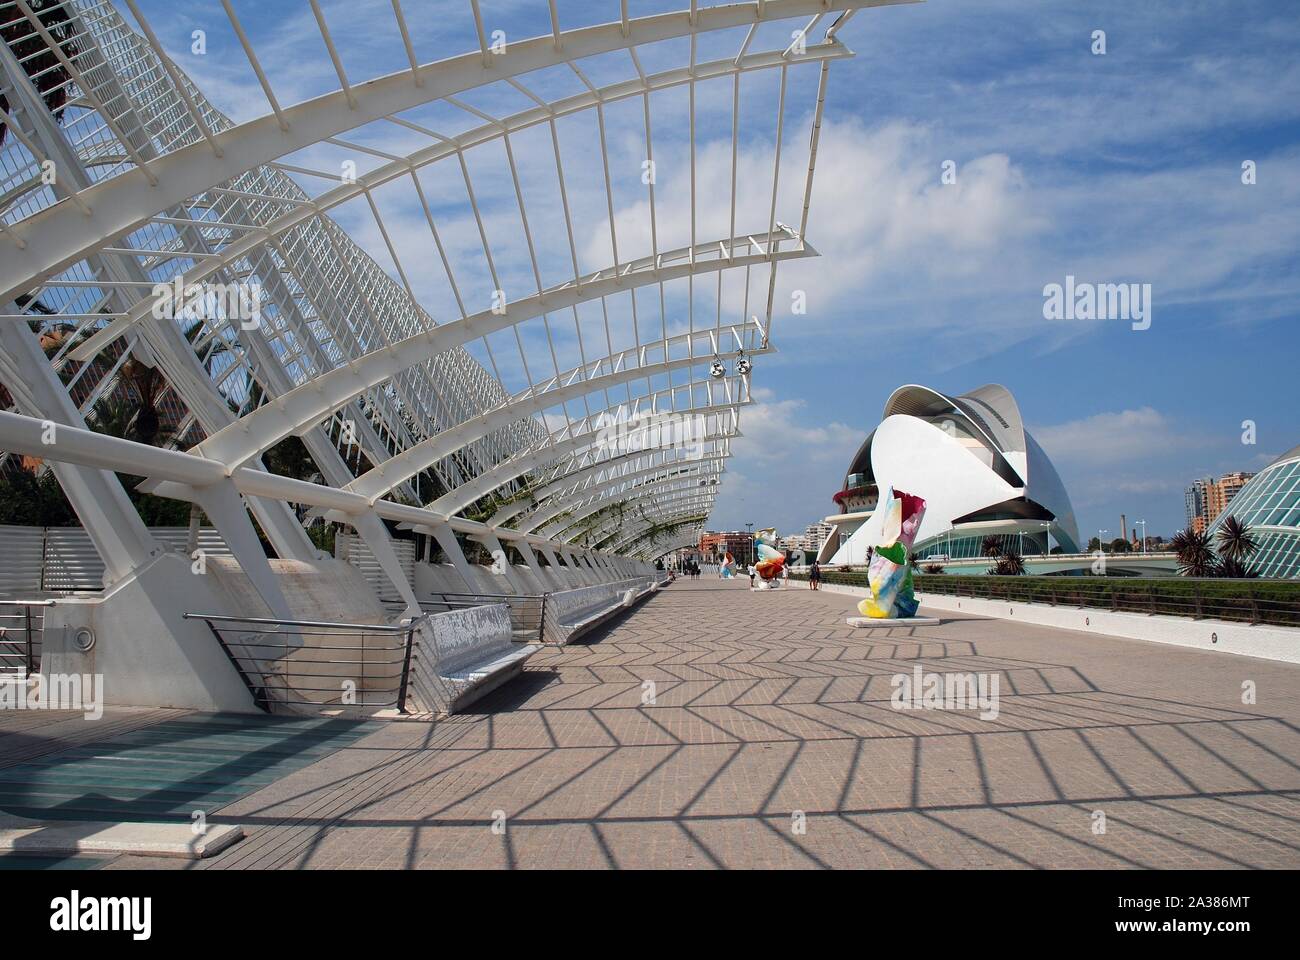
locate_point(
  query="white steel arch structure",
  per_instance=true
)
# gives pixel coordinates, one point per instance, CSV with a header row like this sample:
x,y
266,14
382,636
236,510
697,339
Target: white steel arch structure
x,y
453,349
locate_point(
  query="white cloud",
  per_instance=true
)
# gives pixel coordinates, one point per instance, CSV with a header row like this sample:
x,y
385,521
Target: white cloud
x,y
1106,439
784,469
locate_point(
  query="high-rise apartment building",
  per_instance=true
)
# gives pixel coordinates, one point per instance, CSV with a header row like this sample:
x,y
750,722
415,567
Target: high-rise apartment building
x,y
1223,492
1206,498
1195,501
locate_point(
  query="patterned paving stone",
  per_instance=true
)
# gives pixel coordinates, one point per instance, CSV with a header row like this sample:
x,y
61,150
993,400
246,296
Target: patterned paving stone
x,y
712,728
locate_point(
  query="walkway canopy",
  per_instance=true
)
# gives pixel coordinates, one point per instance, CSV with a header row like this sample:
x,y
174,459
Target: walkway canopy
x,y
517,294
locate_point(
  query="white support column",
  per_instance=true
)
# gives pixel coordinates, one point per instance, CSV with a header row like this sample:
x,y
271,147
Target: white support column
x,y
502,561
580,572
97,497
530,558
225,508
372,530
592,566
185,374
562,576
451,547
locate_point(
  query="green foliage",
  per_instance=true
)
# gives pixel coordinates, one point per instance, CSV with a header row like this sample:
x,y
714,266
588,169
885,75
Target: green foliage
x,y
32,501
1236,542
322,536
1010,564
1195,554
1250,601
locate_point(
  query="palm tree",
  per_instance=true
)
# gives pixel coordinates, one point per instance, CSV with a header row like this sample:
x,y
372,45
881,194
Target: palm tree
x,y
990,546
147,384
1196,557
1236,542
1010,564
1233,569
48,75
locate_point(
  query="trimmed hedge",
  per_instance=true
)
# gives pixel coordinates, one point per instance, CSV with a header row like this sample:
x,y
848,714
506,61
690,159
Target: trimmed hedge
x,y
1274,602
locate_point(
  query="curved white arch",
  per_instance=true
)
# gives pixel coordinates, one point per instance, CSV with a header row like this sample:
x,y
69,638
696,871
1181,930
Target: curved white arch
x,y
610,491
400,467
56,237
571,482
662,508
658,487
456,500
308,404
687,511
302,212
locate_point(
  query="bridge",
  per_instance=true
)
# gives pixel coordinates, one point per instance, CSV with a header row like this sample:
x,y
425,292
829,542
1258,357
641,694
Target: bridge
x,y
1116,564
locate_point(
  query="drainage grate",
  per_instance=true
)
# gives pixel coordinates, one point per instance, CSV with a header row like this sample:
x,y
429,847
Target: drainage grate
x,y
171,769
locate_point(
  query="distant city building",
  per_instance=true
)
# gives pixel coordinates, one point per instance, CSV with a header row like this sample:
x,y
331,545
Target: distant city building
x,y
1207,498
1223,492
816,534
1196,503
1269,504
714,544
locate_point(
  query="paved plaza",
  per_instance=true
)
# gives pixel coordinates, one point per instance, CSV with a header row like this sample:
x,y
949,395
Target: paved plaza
x,y
767,706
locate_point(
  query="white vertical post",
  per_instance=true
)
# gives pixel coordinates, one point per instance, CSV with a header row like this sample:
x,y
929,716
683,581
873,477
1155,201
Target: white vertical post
x,y
372,530
225,508
498,552
451,547
97,497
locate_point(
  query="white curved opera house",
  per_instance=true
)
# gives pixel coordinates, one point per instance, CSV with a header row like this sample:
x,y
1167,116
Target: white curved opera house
x,y
979,470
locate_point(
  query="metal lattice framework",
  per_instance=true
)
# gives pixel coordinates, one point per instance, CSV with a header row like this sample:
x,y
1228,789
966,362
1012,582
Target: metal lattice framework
x,y
483,304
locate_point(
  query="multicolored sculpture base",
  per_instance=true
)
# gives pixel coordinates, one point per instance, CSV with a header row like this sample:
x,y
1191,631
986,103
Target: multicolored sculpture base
x,y
863,622
728,568
889,575
771,561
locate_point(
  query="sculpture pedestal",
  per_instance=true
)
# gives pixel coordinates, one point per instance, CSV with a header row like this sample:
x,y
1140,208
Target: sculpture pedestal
x,y
892,622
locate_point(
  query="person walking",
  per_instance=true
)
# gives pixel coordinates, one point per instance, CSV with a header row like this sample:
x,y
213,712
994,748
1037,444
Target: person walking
x,y
814,576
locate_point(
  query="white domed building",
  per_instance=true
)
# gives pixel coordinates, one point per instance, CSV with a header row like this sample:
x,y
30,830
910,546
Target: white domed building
x,y
1270,506
979,470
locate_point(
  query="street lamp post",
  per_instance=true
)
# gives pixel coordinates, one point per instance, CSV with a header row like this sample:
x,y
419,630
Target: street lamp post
x,y
1047,538
1101,540
749,527
1144,534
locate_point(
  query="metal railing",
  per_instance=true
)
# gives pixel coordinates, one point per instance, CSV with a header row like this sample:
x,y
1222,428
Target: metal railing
x,y
307,663
22,634
1272,602
529,613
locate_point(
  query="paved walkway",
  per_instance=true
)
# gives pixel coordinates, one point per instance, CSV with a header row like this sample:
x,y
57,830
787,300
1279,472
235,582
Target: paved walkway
x,y
766,706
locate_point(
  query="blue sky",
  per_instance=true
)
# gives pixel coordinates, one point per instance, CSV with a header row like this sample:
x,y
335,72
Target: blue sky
x,y
1117,168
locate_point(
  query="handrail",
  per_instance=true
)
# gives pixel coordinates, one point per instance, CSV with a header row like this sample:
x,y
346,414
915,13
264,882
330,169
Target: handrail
x,y
374,627
522,606
304,654
22,656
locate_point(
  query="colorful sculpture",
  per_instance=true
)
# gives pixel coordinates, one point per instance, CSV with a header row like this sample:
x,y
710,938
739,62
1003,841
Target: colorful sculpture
x,y
890,572
770,560
728,569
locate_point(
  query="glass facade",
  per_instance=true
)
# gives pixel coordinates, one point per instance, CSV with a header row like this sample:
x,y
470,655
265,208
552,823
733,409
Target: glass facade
x,y
965,548
1270,505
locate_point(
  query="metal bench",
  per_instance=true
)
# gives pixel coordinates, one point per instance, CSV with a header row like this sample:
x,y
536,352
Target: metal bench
x,y
461,655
